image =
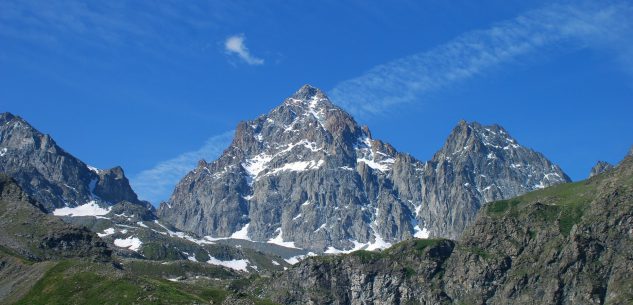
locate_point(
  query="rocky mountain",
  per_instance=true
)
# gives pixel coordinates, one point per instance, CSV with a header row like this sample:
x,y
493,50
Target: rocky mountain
x,y
307,175
476,165
566,244
600,168
44,260
27,231
50,175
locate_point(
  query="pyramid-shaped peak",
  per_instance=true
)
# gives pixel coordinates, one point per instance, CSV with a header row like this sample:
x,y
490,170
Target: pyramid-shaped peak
x,y
308,92
467,127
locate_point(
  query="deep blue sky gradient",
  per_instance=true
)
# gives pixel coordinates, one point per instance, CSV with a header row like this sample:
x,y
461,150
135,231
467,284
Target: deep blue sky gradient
x,y
133,84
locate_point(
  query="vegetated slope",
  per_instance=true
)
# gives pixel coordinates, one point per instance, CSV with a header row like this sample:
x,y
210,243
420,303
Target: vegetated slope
x,y
566,244
44,260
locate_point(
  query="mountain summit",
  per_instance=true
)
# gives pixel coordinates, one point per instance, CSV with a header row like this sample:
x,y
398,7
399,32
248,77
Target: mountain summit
x,y
52,176
307,175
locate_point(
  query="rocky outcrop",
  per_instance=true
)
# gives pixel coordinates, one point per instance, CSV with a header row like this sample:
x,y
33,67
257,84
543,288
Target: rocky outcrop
x,y
50,175
307,175
476,165
25,229
567,244
600,168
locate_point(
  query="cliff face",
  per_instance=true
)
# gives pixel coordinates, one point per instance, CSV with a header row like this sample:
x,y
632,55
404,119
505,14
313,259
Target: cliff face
x,y
567,244
307,175
50,175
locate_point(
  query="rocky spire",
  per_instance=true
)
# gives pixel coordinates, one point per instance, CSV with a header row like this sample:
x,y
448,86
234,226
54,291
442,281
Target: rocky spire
x,y
600,168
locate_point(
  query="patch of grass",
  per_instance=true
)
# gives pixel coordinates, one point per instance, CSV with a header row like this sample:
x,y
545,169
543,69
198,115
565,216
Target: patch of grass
x,y
367,256
500,207
176,268
562,203
217,295
421,244
408,272
74,282
157,251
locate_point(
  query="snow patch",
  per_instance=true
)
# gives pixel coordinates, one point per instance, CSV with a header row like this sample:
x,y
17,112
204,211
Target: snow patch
x,y
132,243
241,233
182,235
279,240
421,233
106,232
299,166
295,259
235,264
89,209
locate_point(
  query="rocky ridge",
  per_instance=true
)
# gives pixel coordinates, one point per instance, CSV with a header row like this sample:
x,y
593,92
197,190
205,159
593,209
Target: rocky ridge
x,y
307,175
566,244
600,168
52,176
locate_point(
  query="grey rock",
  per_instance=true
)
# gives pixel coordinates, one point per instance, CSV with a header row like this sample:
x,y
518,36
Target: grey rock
x,y
308,173
476,165
570,244
52,176
600,168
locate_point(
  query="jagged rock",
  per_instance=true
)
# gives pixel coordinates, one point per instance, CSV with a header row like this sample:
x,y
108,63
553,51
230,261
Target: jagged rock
x,y
568,244
600,168
476,165
50,175
307,173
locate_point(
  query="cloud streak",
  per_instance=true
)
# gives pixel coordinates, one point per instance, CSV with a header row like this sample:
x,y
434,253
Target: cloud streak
x,y
235,45
157,183
408,79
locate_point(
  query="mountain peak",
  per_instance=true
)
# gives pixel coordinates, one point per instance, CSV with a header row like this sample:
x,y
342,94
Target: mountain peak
x,y
307,92
468,136
600,168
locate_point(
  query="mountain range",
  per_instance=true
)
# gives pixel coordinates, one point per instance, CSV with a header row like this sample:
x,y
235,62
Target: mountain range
x,y
306,175
306,207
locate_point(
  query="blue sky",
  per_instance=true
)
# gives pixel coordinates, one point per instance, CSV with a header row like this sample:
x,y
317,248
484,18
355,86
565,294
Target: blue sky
x,y
155,86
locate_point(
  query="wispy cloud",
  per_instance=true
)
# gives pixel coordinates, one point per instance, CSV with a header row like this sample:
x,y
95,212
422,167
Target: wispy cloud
x,y
157,183
235,45
408,79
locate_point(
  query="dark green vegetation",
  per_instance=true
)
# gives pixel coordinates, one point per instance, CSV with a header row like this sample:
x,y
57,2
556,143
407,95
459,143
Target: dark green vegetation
x,y
46,261
566,244
564,204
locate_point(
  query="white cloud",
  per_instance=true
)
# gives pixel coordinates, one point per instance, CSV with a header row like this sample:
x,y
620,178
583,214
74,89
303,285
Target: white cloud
x,y
157,183
235,45
408,79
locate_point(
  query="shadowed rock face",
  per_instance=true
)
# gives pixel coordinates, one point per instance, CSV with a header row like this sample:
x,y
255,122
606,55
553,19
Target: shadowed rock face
x,y
568,244
27,230
600,168
308,173
50,175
